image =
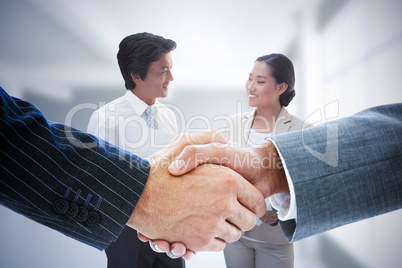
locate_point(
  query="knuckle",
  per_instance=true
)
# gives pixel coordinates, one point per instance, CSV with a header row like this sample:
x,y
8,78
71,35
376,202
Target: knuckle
x,y
250,224
220,246
219,152
204,243
260,206
225,207
214,225
235,235
190,149
229,180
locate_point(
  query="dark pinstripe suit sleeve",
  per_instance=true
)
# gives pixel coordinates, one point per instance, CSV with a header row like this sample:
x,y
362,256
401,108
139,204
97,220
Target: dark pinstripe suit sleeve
x,y
345,170
42,162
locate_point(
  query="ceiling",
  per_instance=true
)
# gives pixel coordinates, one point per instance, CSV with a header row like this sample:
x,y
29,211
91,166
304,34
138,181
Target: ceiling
x,y
73,43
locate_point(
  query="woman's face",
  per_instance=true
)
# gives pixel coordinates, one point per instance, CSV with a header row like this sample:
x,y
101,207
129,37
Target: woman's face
x,y
262,89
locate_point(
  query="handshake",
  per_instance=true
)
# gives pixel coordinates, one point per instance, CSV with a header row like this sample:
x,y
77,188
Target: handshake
x,y
202,192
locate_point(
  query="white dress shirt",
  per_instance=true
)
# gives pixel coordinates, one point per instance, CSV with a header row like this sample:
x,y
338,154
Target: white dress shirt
x,y
285,203
120,122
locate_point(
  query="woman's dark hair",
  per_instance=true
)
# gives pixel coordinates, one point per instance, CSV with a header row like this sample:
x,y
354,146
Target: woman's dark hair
x,y
283,72
138,51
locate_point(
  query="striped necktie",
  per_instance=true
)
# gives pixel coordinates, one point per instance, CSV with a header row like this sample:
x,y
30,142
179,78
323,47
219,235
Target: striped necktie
x,y
150,117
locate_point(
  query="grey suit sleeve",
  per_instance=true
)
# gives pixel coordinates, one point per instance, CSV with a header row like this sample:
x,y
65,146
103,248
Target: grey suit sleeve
x,y
65,179
345,170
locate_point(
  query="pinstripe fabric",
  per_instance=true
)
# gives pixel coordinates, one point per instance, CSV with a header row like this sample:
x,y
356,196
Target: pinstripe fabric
x,y
41,162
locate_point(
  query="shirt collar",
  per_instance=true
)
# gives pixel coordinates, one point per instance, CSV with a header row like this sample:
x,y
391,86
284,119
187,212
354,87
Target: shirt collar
x,y
136,103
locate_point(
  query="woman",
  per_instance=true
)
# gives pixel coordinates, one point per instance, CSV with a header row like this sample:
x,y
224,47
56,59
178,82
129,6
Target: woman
x,y
270,88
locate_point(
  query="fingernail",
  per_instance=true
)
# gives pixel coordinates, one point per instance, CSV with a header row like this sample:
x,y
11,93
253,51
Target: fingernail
x,y
155,247
177,165
176,252
173,254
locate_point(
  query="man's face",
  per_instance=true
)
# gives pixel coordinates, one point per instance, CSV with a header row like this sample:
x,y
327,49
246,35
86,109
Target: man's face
x,y
156,83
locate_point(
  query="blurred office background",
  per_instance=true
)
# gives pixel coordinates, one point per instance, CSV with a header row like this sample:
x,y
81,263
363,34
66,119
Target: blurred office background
x,y
61,55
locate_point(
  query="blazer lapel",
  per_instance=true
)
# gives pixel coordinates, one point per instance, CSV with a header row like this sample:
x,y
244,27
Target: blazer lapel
x,y
283,123
247,121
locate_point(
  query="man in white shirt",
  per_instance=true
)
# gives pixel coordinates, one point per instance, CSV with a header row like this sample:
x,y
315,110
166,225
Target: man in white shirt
x,y
122,122
138,123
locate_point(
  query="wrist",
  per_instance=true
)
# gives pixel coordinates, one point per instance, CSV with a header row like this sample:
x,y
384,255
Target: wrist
x,y
275,177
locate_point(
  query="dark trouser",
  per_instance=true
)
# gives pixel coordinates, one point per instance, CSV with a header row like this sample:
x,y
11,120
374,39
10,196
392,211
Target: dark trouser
x,y
130,252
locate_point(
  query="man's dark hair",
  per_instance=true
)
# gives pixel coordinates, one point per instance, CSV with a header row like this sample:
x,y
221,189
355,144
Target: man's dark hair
x,y
138,51
282,70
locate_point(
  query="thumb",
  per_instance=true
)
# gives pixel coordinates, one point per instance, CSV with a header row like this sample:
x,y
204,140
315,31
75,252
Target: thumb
x,y
195,155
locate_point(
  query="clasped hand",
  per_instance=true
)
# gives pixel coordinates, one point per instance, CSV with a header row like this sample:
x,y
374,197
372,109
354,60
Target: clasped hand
x,y
197,205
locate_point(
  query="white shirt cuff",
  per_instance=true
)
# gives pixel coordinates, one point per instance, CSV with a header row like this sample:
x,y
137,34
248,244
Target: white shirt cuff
x,y
285,203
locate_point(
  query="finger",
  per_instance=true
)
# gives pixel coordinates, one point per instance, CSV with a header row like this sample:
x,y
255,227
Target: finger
x,y
179,250
243,219
188,255
249,204
230,233
185,139
176,250
252,199
142,237
195,155
215,244
159,246
242,213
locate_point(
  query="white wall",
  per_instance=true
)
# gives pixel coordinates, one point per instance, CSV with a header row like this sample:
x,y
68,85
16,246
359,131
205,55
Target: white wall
x,y
355,60
347,54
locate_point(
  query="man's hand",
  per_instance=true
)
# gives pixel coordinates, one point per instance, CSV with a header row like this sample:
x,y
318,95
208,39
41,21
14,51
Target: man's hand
x,y
260,165
203,209
270,218
174,251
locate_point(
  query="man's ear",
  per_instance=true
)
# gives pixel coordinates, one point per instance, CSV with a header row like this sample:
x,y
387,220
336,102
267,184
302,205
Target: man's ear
x,y
136,78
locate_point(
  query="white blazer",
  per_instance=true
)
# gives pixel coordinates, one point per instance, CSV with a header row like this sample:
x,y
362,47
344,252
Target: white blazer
x,y
237,127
